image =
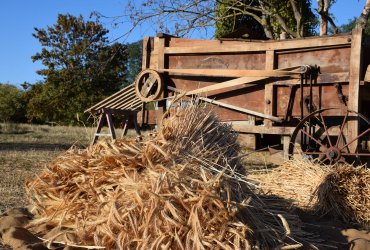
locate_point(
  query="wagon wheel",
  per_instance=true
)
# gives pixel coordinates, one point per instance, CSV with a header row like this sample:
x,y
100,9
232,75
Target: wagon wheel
x,y
148,85
324,137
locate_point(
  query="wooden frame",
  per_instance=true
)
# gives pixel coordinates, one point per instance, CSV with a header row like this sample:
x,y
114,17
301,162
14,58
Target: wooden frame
x,y
183,62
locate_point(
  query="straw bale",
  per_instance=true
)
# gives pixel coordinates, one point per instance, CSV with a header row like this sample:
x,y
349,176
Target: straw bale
x,y
182,189
345,193
295,180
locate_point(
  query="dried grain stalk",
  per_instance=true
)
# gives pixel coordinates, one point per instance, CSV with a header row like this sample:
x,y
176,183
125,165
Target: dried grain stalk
x,y
295,180
345,193
181,189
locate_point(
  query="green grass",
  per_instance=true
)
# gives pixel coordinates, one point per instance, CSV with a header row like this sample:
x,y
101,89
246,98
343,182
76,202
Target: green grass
x,y
25,149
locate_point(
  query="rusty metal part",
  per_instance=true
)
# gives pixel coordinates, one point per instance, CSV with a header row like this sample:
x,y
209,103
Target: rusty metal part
x,y
317,138
342,98
148,85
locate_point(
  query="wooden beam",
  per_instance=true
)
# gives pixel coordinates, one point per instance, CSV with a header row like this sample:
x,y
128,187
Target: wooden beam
x,y
354,83
260,46
146,53
226,84
244,127
232,72
269,88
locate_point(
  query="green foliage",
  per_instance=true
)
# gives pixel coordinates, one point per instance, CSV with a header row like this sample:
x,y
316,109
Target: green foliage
x,y
229,20
264,16
350,25
12,107
134,58
81,68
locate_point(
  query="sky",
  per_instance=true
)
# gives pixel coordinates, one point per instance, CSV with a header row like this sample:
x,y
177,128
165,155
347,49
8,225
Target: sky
x,y
18,18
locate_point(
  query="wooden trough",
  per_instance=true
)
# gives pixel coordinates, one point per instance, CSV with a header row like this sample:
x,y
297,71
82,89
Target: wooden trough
x,y
304,93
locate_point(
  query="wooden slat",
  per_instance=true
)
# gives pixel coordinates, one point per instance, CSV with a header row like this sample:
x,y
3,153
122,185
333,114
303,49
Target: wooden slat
x,y
118,93
269,102
232,72
260,46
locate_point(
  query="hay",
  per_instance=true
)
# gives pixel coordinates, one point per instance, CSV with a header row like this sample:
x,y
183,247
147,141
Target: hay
x,y
345,193
295,180
183,189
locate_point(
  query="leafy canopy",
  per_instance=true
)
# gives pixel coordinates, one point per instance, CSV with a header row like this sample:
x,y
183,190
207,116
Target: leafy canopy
x,y
11,103
81,68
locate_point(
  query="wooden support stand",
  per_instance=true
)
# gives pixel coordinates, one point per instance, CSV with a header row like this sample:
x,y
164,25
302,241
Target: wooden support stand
x,y
106,114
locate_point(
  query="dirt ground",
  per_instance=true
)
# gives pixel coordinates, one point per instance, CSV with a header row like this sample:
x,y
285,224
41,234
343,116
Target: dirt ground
x,y
24,149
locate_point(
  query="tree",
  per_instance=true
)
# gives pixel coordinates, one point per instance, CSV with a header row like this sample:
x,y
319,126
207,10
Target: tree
x,y
134,58
11,104
325,17
292,17
276,18
81,68
364,17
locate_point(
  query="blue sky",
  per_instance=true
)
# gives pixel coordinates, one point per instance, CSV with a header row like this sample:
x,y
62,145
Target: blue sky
x,y
19,17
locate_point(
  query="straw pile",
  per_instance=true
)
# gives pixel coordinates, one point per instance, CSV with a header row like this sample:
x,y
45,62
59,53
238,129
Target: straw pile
x,y
182,189
295,180
345,193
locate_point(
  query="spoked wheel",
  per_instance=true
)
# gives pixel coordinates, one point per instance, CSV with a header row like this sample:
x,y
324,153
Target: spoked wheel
x,y
324,135
148,85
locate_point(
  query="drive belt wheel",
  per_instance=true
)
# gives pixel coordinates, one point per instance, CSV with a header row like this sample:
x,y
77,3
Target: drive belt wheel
x,y
148,85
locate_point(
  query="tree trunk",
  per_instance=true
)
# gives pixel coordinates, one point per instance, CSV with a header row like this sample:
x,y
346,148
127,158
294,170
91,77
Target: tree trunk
x,y
325,18
362,20
323,11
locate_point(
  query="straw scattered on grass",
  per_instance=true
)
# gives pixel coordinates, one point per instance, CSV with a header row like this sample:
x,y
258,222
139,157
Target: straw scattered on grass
x,y
295,180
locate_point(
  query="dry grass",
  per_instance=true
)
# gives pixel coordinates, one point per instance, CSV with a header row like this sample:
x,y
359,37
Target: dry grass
x,y
24,149
294,180
345,193
181,189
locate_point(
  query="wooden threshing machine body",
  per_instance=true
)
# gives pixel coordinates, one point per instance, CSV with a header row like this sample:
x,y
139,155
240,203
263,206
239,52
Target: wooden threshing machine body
x,y
253,93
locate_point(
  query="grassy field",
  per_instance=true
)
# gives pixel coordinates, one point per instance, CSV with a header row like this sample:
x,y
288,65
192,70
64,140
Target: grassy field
x,y
25,149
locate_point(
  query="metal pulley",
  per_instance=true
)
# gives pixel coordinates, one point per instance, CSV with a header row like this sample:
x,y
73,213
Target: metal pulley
x,y
148,85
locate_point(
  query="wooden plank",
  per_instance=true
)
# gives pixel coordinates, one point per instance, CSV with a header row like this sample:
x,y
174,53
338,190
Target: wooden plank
x,y
110,98
260,46
354,83
233,82
269,102
244,127
136,125
286,142
146,53
227,84
232,72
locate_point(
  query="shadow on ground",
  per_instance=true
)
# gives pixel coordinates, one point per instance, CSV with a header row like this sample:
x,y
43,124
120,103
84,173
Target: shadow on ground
x,y
35,146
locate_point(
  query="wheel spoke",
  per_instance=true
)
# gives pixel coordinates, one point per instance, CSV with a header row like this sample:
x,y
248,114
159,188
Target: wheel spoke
x,y
314,153
313,138
356,138
326,129
341,129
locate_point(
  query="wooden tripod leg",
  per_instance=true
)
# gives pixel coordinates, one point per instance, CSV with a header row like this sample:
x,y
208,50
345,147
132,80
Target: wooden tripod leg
x,y
111,125
98,129
125,128
137,129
